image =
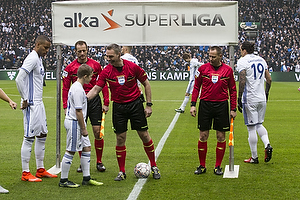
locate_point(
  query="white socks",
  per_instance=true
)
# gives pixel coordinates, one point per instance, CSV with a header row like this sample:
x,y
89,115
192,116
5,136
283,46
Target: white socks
x,y
25,153
39,150
185,101
252,139
263,134
66,164
85,163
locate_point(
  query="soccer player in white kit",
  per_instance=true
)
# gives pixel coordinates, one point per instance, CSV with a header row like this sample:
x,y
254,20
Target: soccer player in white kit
x,y
194,65
30,86
77,135
253,97
126,51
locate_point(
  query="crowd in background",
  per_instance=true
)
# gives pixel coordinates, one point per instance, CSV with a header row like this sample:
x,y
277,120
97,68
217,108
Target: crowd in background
x,y
277,41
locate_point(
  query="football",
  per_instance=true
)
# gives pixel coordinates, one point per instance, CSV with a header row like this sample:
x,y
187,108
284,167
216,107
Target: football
x,y
142,170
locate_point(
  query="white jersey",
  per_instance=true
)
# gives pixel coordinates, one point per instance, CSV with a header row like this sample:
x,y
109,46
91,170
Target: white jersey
x,y
32,89
194,65
255,67
76,100
130,58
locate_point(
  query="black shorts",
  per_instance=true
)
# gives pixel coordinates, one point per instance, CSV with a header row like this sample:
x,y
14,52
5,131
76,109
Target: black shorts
x,y
133,111
213,111
94,111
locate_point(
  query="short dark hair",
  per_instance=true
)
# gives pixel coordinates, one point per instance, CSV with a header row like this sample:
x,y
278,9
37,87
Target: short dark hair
x,y
248,46
83,70
41,39
217,48
117,49
186,55
80,42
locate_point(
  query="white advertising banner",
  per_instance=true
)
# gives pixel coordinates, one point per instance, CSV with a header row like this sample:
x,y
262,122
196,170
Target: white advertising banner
x,y
145,22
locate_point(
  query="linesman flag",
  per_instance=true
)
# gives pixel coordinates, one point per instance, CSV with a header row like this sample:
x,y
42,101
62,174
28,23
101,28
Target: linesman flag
x,y
102,125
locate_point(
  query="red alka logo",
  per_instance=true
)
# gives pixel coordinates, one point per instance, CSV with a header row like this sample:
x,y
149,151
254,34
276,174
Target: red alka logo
x,y
80,21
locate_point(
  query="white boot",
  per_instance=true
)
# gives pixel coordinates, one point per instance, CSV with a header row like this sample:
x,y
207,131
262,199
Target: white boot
x,y
2,190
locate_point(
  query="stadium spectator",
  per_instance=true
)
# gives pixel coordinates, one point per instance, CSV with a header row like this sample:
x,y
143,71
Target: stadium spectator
x,y
278,36
252,98
122,76
30,86
284,68
297,67
217,82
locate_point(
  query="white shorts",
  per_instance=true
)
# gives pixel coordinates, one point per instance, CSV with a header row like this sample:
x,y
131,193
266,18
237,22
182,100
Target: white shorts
x,y
75,141
254,113
34,120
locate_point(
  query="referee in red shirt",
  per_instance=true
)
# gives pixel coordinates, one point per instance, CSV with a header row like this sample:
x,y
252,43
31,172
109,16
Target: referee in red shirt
x,y
216,79
122,76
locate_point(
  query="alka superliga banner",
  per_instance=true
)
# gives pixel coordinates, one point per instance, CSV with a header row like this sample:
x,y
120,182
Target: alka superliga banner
x,y
145,22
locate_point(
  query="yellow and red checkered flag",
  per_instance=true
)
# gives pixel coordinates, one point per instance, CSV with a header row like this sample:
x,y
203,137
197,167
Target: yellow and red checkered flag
x,y
231,141
102,125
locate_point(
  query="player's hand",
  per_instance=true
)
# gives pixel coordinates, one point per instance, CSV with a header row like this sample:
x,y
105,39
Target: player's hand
x,y
13,105
233,114
193,111
240,105
24,105
148,111
84,133
105,108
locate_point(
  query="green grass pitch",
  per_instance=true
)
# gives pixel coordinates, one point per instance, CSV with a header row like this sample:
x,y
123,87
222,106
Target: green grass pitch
x,y
178,159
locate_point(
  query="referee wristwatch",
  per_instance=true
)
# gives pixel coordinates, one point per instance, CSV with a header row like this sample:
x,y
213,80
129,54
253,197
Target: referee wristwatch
x,y
234,110
149,104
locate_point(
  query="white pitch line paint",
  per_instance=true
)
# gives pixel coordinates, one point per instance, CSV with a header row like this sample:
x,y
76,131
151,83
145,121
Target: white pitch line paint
x,y
139,185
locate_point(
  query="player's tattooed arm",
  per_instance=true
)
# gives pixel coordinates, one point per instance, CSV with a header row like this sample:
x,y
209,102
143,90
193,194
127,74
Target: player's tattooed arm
x,y
242,83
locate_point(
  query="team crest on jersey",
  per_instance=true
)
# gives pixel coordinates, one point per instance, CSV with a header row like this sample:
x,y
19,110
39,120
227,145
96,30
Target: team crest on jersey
x,y
42,71
121,80
214,79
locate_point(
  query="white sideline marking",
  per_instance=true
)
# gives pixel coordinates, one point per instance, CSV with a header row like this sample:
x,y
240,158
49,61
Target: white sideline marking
x,y
139,185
